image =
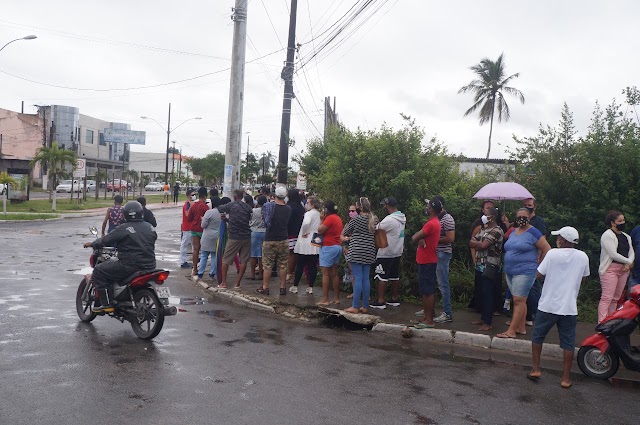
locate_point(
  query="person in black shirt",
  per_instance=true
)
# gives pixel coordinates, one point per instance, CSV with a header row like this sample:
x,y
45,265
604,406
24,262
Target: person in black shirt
x,y
536,290
275,249
293,228
176,193
147,215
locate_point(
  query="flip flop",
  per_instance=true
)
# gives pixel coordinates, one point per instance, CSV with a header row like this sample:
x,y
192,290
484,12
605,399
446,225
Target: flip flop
x,y
323,304
414,322
504,335
222,287
236,288
533,378
423,326
565,385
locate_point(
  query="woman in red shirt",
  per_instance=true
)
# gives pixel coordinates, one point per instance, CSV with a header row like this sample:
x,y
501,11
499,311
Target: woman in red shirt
x,y
330,252
196,212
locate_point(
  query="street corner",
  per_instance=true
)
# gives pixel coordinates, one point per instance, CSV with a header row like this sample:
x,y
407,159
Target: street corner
x,y
472,339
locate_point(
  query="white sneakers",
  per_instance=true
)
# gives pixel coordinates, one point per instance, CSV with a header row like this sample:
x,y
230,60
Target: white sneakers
x,y
309,290
293,289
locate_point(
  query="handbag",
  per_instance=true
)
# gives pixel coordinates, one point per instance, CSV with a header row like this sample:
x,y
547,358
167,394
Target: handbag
x,y
316,240
380,238
490,272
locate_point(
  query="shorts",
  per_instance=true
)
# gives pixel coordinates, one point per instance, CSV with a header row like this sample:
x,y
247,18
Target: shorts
x,y
387,269
256,244
275,252
330,255
242,247
196,234
520,284
566,329
292,242
427,279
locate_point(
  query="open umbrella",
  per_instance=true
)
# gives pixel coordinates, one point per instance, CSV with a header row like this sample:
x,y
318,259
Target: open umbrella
x,y
503,191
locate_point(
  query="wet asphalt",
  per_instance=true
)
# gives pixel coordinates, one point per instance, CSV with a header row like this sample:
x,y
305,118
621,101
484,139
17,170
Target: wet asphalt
x,y
216,363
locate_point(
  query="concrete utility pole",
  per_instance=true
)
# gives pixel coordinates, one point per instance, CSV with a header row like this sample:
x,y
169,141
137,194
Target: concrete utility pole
x,y
166,160
173,160
236,99
287,76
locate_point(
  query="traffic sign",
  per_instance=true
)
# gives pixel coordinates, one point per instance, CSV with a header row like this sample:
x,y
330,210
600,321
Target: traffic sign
x,y
81,168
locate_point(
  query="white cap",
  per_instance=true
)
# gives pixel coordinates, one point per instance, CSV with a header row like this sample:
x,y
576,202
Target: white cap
x,y
281,192
570,234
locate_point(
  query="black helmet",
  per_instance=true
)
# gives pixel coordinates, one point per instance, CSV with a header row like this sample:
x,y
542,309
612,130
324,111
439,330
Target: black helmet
x,y
132,211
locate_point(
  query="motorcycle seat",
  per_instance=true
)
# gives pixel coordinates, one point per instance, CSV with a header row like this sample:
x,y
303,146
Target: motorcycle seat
x,y
138,274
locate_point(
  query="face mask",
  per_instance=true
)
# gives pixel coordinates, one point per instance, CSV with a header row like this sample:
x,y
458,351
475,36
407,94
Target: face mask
x,y
522,221
353,214
621,226
530,209
193,197
484,219
286,199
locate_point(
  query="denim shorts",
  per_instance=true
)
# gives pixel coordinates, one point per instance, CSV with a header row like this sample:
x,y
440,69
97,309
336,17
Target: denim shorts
x,y
520,284
330,255
256,244
566,329
427,278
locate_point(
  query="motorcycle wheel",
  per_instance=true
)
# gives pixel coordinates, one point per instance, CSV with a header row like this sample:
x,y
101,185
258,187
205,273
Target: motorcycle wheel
x,y
596,364
84,301
148,319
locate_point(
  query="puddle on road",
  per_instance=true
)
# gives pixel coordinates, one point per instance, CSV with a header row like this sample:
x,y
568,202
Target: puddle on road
x,y
219,315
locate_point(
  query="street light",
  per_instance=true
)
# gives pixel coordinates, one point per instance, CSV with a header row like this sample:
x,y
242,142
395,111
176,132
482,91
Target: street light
x,y
28,37
169,130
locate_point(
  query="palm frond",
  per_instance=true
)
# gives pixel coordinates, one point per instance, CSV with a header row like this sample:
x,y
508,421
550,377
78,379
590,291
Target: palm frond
x,y
503,108
473,107
514,92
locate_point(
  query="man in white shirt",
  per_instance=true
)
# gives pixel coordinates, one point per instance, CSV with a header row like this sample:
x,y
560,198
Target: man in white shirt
x,y
563,270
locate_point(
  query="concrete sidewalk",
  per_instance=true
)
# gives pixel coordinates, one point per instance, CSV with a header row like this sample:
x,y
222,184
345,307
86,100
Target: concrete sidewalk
x,y
390,320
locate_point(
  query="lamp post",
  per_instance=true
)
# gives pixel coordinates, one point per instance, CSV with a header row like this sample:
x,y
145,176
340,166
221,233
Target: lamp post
x,y
28,37
169,130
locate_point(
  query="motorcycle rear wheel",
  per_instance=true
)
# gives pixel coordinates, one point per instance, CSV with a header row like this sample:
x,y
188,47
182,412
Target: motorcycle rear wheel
x,y
596,364
148,319
84,301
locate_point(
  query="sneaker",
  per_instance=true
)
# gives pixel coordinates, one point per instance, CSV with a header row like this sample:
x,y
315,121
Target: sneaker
x,y
394,303
529,322
376,304
185,265
420,313
293,289
444,317
309,290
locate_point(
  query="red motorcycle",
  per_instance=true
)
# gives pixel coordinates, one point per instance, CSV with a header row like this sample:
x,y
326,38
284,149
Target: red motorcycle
x,y
139,299
600,354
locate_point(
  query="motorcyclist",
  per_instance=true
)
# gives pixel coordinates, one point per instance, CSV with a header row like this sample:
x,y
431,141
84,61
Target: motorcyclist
x,y
135,239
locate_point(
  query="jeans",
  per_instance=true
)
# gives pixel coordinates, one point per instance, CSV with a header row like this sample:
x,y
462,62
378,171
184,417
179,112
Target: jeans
x,y
532,301
184,243
361,284
442,272
202,265
488,297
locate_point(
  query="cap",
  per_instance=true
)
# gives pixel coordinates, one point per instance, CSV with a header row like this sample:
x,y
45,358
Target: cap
x,y
281,192
570,234
435,204
390,200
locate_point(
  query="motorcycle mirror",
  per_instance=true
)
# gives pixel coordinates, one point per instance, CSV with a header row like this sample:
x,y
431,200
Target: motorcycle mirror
x,y
93,230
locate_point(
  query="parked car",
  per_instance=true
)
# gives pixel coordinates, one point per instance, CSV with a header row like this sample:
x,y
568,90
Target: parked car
x,y
118,186
154,187
65,186
3,188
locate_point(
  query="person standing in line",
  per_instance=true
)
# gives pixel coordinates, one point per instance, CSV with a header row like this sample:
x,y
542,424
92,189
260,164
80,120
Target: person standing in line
x,y
476,226
210,227
362,253
186,230
293,229
257,238
487,244
330,251
563,269
176,193
275,249
307,254
147,214
238,214
534,294
616,258
427,260
387,268
165,189
444,253
347,278
114,216
196,212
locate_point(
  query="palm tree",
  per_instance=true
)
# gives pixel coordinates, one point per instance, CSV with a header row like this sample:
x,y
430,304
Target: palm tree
x,y
267,161
101,176
133,175
5,179
487,89
56,160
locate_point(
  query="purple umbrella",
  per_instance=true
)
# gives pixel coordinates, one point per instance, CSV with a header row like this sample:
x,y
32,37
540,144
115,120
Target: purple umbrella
x,y
504,191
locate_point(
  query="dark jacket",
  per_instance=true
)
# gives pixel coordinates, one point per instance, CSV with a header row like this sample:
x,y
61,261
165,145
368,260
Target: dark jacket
x,y
136,242
149,217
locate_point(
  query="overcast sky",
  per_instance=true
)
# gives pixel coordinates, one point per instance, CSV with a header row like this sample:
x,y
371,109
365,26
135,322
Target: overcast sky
x,y
410,57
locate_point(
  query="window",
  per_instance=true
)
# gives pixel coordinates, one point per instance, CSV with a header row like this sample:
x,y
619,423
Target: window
x,y
89,139
101,137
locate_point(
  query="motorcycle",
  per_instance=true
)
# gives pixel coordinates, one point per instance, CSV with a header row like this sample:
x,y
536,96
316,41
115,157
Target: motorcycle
x,y
600,354
139,299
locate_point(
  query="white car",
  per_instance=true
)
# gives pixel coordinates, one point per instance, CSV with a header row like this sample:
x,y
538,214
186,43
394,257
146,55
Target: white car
x,y
3,188
154,187
65,186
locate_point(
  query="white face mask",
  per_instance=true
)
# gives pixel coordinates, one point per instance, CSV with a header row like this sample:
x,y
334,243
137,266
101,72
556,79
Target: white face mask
x,y
286,199
485,219
193,197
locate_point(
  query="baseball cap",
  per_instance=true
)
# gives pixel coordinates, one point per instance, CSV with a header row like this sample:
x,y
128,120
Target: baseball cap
x,y
570,234
390,200
281,192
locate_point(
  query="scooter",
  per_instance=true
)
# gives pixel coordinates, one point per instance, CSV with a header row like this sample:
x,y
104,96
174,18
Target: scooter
x,y
600,354
139,299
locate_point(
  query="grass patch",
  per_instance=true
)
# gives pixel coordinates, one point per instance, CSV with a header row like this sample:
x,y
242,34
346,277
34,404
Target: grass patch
x,y
44,206
26,217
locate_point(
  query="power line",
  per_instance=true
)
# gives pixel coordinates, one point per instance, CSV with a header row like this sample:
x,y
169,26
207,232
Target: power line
x,y
272,26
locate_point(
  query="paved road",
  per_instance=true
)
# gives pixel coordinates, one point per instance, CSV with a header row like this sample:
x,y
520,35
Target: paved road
x,y
220,364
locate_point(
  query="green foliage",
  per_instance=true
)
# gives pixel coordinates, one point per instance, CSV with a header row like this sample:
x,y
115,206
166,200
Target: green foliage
x,y
210,168
55,160
5,178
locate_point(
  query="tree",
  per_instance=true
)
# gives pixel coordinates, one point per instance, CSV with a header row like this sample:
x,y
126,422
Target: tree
x,y
5,179
101,176
55,160
250,168
210,168
487,89
267,162
132,176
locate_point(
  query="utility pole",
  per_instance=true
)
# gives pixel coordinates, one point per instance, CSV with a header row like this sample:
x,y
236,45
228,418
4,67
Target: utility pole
x,y
236,99
180,164
173,160
166,161
287,76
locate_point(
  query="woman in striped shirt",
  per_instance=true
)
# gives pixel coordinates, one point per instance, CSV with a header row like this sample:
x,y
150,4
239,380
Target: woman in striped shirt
x,y
361,254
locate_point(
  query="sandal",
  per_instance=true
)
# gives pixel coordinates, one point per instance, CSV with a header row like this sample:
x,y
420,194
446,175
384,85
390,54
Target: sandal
x,y
424,326
534,378
263,291
505,335
236,288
